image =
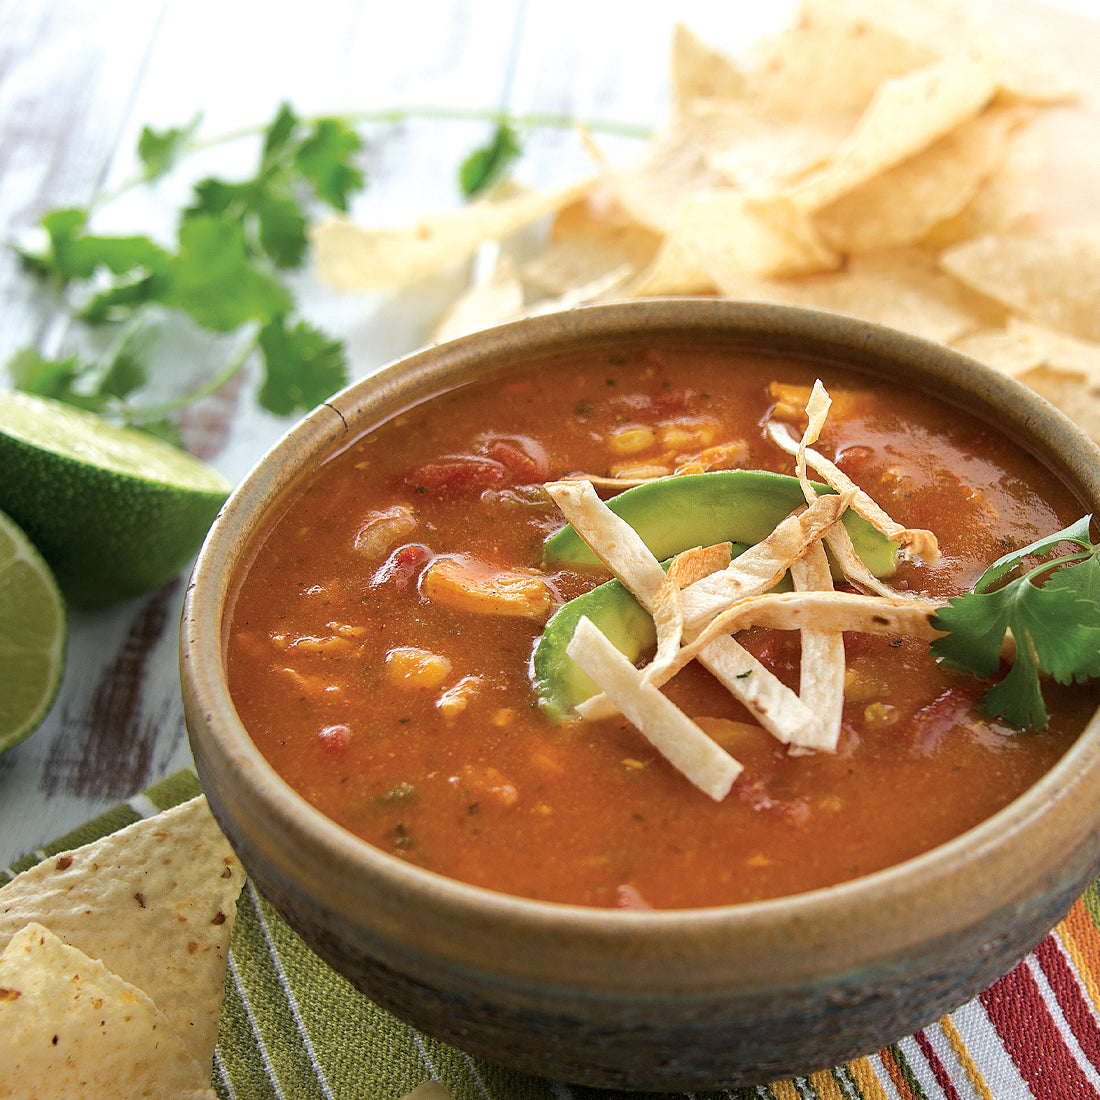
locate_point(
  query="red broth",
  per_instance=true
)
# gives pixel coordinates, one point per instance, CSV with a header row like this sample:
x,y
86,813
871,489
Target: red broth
x,y
414,724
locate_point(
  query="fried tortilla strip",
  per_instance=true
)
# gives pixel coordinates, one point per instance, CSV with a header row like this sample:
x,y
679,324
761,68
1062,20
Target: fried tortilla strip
x,y
695,755
764,565
778,709
916,540
817,610
668,609
852,567
611,539
821,676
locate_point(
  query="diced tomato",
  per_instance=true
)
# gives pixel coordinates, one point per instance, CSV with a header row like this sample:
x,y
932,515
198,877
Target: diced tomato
x,y
403,567
335,739
932,723
458,476
525,458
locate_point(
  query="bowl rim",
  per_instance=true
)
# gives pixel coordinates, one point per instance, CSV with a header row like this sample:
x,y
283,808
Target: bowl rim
x,y
332,424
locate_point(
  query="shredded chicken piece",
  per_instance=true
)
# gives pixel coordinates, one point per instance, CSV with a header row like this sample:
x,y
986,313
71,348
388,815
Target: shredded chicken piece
x,y
468,584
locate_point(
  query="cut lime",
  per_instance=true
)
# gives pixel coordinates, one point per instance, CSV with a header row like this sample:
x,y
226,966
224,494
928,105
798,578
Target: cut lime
x,y
114,511
32,635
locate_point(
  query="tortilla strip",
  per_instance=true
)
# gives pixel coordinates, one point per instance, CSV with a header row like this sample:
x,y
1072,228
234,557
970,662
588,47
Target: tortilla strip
x,y
618,545
821,610
764,565
691,751
921,542
778,709
821,675
668,609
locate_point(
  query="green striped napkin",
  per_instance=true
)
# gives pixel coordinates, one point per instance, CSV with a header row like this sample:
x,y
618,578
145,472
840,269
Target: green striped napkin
x,y
293,1029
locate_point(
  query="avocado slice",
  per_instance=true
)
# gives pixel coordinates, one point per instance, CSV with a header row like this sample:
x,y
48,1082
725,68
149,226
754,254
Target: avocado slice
x,y
677,513
671,515
558,679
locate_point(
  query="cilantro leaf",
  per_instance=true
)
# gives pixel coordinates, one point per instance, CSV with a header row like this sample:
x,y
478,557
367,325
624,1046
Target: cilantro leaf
x,y
213,279
302,367
1076,532
1055,625
160,150
976,626
485,166
55,378
324,158
1018,698
74,254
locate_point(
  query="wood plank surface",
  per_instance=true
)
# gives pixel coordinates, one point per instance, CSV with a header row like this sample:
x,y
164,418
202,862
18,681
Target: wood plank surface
x,y
78,81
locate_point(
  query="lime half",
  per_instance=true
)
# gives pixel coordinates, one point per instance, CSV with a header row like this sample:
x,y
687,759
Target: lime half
x,y
32,635
114,511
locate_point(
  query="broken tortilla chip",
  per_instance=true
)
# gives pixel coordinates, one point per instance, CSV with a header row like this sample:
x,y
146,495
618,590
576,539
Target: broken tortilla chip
x,y
354,257
154,902
70,1028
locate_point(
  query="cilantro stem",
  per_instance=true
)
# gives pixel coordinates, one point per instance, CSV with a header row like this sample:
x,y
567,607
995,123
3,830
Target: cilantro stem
x,y
392,116
229,369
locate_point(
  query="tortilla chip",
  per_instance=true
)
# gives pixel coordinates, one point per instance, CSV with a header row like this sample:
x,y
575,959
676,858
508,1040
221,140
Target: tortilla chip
x,y
1052,278
832,57
903,204
493,300
588,241
906,115
678,739
1004,200
763,237
1076,395
1022,346
69,1028
154,902
698,71
902,288
677,268
359,258
762,151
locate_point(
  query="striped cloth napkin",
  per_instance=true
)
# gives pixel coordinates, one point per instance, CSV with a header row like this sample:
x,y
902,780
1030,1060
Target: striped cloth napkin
x,y
292,1029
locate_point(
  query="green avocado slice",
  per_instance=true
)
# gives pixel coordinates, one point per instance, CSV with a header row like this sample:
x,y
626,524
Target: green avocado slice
x,y
677,513
672,515
558,679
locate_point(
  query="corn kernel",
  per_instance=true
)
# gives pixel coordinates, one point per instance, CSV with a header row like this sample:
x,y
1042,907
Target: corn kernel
x,y
632,441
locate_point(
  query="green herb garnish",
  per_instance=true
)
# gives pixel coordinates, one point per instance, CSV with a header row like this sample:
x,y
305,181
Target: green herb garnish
x,y
224,273
1052,611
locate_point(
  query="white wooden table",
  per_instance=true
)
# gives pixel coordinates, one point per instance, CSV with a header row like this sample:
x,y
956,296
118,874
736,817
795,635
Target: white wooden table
x,y
79,79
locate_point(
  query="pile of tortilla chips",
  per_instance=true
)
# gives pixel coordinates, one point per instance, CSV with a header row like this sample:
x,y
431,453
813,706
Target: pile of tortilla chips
x,y
875,158
113,960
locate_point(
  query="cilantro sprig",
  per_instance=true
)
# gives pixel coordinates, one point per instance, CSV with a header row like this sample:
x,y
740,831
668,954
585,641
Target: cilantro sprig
x,y
226,271
1052,610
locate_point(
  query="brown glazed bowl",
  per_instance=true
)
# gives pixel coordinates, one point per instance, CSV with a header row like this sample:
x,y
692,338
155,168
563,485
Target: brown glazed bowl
x,y
650,1000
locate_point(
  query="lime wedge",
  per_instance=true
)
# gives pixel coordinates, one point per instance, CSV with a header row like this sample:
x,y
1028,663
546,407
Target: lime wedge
x,y
32,635
113,511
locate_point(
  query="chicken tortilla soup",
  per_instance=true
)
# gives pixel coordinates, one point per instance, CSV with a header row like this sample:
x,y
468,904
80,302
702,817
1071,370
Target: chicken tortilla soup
x,y
651,628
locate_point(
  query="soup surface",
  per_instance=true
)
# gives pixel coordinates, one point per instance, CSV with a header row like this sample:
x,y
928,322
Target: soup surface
x,y
404,709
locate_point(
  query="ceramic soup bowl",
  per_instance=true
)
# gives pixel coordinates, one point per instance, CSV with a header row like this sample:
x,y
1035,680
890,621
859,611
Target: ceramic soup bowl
x,y
661,999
